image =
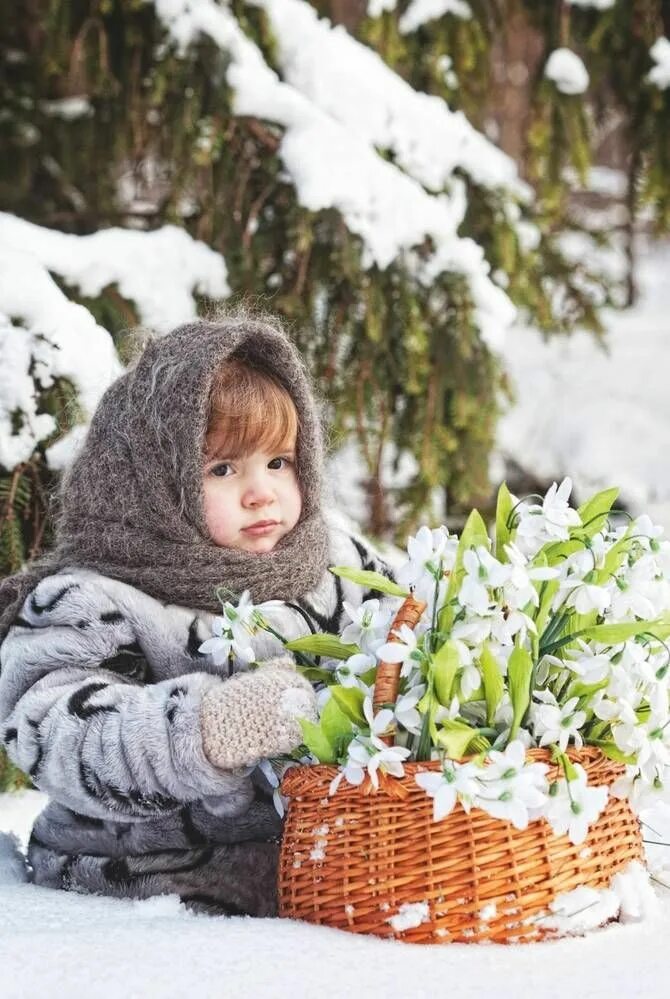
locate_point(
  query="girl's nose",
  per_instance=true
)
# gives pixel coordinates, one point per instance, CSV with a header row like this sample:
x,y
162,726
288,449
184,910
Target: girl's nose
x,y
258,492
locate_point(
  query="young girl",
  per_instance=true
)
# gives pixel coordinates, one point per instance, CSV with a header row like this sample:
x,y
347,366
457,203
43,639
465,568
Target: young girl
x,y
201,468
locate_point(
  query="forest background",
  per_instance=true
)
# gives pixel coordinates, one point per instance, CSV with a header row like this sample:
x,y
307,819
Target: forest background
x,y
414,186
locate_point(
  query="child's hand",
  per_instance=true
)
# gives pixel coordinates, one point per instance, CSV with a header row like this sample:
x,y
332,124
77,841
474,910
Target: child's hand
x,y
254,715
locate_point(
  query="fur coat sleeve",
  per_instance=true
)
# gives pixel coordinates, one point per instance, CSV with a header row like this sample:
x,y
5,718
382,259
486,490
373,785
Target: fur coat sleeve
x,y
100,690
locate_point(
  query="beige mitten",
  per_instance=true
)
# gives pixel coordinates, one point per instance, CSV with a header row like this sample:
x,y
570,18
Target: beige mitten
x,y
254,715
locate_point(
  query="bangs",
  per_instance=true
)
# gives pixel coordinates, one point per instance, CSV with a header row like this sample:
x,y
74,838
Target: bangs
x,y
249,411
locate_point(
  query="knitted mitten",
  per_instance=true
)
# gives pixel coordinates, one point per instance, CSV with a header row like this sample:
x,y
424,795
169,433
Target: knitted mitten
x,y
254,715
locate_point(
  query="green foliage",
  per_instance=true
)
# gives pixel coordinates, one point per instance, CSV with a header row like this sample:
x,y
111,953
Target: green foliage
x,y
11,778
399,363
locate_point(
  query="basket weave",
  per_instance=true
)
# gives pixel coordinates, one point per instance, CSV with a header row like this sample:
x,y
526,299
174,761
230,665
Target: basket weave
x,y
353,859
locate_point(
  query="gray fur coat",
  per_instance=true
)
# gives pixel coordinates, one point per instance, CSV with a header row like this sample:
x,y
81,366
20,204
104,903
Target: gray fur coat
x,y
100,690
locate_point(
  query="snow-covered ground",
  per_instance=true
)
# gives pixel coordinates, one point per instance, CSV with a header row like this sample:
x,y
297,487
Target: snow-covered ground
x,y
54,943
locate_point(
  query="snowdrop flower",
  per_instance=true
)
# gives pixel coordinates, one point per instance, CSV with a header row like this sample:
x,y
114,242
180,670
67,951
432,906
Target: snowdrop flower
x,y
519,589
229,638
430,553
369,754
348,672
455,782
551,521
404,651
629,593
448,714
586,597
405,711
274,780
505,627
369,625
646,742
354,770
474,630
553,723
590,666
639,792
644,525
511,789
482,572
572,806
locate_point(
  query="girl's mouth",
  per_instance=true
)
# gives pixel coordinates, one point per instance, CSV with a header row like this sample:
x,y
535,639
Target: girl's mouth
x,y
260,528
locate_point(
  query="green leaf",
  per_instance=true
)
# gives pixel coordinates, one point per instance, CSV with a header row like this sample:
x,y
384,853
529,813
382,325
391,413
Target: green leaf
x,y
370,580
350,700
594,513
335,724
519,671
557,551
445,664
611,750
613,634
548,591
316,675
317,742
329,646
504,508
455,736
474,534
492,679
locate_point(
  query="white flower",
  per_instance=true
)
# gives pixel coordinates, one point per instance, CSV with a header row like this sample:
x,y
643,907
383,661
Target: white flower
x,y
511,789
353,771
553,723
639,792
519,589
401,651
551,521
482,572
369,753
592,667
587,597
645,741
573,806
429,552
455,782
405,711
349,671
504,628
369,625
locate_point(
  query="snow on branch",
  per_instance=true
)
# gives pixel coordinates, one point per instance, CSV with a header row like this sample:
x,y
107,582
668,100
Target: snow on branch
x,y
44,336
159,271
331,154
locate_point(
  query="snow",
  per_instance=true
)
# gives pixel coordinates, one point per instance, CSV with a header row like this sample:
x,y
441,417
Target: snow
x,y
567,71
159,271
420,12
660,53
332,165
58,943
599,414
409,915
595,4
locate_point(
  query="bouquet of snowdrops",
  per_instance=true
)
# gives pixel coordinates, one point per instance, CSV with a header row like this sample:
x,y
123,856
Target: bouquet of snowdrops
x,y
551,635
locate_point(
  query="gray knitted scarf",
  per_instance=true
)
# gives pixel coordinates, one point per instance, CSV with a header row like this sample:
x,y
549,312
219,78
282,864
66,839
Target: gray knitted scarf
x,y
131,503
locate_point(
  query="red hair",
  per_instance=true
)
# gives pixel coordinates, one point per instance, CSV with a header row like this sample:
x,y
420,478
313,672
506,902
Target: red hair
x,y
249,411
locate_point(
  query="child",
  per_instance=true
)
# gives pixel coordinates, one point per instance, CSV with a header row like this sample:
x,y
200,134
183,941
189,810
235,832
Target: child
x,y
201,468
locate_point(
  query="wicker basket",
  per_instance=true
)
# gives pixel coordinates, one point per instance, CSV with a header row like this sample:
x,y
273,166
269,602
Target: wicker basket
x,y
354,859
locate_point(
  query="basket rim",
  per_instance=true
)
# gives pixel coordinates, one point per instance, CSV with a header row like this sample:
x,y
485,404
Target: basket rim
x,y
316,778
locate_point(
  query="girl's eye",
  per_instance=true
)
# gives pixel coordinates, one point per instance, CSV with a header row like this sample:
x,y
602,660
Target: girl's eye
x,y
279,463
221,470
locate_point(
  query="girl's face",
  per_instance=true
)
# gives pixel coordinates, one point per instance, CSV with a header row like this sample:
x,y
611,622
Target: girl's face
x,y
251,502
